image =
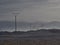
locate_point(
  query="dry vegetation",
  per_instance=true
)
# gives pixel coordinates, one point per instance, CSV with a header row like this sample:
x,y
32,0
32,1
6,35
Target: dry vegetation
x,y
30,42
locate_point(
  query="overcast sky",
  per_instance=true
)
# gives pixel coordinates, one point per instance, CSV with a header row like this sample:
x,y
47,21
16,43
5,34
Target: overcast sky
x,y
30,10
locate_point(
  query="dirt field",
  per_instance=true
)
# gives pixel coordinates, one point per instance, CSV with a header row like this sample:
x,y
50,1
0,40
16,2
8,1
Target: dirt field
x,y
30,42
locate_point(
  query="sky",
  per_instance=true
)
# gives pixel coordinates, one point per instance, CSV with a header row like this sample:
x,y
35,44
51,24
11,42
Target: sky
x,y
30,10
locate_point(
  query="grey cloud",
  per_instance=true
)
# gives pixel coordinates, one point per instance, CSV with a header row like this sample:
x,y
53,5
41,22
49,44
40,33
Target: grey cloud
x,y
29,10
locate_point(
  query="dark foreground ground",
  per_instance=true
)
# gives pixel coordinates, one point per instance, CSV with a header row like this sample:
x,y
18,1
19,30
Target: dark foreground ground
x,y
30,42
40,37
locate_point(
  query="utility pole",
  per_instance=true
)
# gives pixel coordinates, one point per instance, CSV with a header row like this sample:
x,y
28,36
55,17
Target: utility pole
x,y
15,24
16,28
15,15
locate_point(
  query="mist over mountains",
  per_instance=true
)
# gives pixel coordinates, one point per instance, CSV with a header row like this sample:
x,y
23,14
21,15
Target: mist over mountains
x,y
25,26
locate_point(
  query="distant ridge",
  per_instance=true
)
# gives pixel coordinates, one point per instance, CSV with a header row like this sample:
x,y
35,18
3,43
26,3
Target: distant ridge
x,y
32,31
38,34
